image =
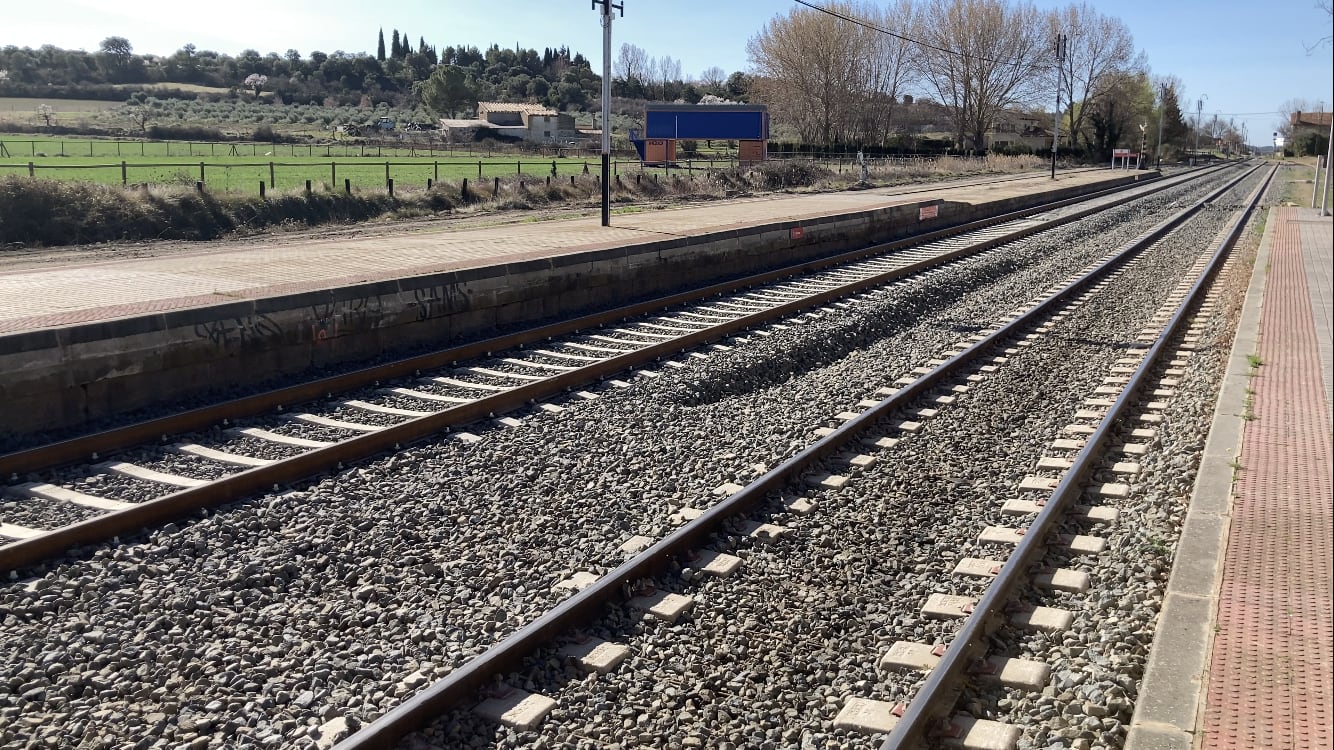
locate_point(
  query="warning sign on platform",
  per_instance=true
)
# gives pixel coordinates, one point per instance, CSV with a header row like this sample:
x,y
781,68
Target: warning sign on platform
x,y
928,212
796,233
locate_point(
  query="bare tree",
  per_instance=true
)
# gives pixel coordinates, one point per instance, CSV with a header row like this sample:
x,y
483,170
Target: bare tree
x,y
631,63
666,71
1327,39
713,79
1099,49
812,70
46,112
980,57
886,69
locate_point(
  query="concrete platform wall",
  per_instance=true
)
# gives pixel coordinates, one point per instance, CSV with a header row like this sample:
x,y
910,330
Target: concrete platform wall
x,y
65,377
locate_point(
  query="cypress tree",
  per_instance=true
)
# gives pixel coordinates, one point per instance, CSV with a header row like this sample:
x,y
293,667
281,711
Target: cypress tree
x,y
394,49
379,48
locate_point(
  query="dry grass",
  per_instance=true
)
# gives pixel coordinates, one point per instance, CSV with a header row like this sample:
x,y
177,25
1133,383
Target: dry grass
x,y
36,212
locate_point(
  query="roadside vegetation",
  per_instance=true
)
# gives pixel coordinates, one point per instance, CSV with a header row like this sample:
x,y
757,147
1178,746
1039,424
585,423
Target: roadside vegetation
x,y
54,212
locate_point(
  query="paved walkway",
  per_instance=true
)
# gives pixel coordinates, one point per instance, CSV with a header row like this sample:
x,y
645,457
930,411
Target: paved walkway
x,y
1271,678
1243,656
82,293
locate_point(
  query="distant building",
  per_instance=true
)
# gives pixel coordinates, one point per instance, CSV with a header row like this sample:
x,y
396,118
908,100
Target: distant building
x,y
1019,130
1310,121
533,123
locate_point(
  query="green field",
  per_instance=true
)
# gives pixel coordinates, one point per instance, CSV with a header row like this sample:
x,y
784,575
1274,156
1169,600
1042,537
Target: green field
x,y
63,111
242,166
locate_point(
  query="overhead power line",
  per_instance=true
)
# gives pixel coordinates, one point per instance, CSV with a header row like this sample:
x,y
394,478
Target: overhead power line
x,y
904,37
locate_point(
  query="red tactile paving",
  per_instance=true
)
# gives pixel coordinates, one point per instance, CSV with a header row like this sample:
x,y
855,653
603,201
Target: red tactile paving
x,y
1271,680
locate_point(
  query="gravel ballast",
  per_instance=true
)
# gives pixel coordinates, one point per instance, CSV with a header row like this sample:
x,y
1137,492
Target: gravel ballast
x,y
263,620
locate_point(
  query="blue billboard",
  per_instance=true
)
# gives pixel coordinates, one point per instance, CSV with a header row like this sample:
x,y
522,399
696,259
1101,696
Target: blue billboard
x,y
732,122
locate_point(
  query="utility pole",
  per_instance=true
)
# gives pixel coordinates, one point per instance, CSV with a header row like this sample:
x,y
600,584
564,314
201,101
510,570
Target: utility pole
x,y
607,7
1329,153
1061,40
1162,99
1199,107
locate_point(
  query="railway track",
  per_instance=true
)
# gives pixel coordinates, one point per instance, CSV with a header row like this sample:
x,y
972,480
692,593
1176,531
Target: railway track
x,y
161,479
383,647
684,554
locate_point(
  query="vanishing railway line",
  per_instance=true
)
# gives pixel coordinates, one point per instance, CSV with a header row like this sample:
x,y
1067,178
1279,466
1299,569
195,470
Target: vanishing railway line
x,y
331,687
663,576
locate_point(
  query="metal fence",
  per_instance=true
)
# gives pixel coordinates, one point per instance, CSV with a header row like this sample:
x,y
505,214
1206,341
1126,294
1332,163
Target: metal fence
x,y
348,165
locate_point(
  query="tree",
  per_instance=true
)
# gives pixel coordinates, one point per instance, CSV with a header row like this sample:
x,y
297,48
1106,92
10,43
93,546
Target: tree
x,y
139,110
1114,120
46,112
835,80
631,63
983,57
1098,49
1175,129
713,79
1327,39
448,89
738,86
115,56
256,82
379,47
806,66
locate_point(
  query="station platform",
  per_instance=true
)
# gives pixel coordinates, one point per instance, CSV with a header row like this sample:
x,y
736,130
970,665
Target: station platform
x,y
1244,652
88,341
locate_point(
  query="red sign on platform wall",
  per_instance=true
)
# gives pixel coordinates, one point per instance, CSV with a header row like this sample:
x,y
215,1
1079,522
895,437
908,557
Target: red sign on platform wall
x,y
796,233
928,212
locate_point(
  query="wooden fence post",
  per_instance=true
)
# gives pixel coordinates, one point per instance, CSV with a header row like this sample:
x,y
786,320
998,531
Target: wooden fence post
x,y
479,169
123,179
386,172
201,171
271,174
390,183
347,186
261,188
496,189
436,165
333,173
307,187
32,171
464,192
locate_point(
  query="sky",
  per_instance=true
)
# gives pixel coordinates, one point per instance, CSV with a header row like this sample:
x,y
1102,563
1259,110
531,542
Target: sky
x,y
1245,59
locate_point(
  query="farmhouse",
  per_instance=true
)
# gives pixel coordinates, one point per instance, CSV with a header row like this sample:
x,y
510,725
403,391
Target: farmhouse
x,y
1310,122
529,122
1019,130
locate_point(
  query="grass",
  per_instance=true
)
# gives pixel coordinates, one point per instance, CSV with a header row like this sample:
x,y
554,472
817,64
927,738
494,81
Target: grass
x,y
63,111
1248,407
242,166
40,211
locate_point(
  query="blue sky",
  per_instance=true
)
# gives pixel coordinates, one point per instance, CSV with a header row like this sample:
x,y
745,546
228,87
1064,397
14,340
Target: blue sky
x,y
1247,58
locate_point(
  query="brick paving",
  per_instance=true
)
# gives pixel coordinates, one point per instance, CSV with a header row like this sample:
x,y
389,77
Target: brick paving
x,y
88,292
1271,677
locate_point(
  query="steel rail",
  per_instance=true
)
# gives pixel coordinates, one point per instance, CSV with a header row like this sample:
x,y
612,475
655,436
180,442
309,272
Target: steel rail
x,y
463,683
938,694
77,449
